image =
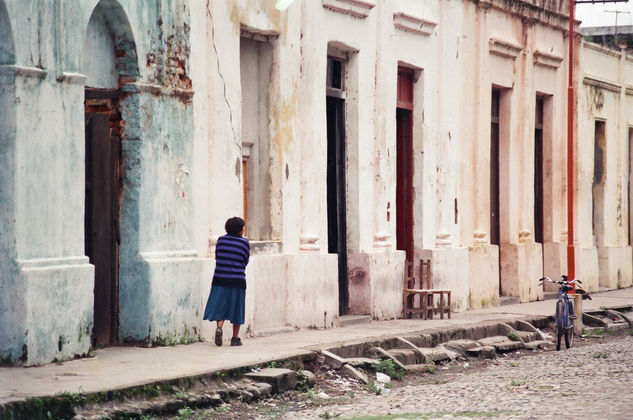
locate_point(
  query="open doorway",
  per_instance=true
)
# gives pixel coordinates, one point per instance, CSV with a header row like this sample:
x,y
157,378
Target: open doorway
x,y
599,176
109,62
495,224
336,174
404,163
102,209
629,190
538,172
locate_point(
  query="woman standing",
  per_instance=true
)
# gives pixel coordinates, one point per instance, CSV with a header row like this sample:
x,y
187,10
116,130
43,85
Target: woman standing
x,y
228,290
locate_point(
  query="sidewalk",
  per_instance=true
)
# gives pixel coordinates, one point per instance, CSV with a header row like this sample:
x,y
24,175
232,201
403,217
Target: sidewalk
x,y
119,367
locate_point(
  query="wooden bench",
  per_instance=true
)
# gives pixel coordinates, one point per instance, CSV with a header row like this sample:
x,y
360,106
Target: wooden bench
x,y
427,297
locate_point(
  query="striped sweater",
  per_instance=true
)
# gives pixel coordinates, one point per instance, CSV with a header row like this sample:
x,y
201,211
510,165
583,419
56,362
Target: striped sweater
x,y
231,256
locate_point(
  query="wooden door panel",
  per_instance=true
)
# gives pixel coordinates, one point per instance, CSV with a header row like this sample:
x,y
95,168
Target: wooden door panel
x,y
102,180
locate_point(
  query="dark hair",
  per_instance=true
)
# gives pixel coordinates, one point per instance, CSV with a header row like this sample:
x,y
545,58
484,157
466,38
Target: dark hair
x,y
234,225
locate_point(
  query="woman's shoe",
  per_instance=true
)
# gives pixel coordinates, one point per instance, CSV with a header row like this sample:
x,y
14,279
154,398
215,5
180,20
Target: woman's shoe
x,y
235,341
218,336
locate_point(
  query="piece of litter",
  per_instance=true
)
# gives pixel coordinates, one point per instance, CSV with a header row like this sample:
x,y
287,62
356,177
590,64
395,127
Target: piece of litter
x,y
466,364
386,391
382,378
255,370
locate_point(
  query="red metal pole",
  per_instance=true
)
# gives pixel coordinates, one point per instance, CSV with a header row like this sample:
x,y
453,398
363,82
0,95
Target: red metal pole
x,y
571,268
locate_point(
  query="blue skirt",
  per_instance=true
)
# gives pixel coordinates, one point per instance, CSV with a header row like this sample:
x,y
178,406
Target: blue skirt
x,y
226,303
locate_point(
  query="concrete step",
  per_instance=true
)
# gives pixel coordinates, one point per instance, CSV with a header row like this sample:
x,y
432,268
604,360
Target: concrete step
x,y
527,336
550,295
508,300
501,343
406,356
346,320
460,346
280,379
484,352
538,344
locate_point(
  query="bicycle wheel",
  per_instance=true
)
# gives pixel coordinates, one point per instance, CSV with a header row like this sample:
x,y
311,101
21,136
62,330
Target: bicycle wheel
x,y
560,328
569,337
569,331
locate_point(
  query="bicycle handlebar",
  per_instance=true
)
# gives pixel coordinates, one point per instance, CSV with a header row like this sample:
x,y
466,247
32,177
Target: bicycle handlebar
x,y
545,278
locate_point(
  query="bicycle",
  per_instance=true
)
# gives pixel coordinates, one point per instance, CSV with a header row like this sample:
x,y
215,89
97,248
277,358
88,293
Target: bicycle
x,y
565,318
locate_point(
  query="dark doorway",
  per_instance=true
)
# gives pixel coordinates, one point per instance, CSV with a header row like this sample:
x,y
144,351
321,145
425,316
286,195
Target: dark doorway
x,y
599,175
629,190
495,225
101,221
494,170
538,172
336,184
404,163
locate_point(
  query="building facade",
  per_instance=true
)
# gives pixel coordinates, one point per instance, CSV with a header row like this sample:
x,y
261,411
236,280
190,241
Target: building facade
x,y
352,135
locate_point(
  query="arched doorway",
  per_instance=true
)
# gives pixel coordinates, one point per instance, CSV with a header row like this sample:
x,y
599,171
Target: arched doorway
x,y
109,62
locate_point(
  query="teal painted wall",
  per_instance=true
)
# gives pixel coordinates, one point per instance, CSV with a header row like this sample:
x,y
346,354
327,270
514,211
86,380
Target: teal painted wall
x,y
46,283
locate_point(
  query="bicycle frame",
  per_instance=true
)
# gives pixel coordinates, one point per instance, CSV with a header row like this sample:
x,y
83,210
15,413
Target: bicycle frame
x,y
565,316
567,304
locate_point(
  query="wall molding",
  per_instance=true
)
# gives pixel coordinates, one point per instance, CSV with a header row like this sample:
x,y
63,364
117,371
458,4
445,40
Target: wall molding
x,y
414,24
356,8
262,35
22,71
547,60
170,255
51,263
504,49
381,240
153,89
72,78
480,237
602,84
599,48
309,242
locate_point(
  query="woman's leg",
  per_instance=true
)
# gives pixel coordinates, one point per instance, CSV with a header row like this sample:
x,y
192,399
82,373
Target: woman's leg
x,y
218,333
236,329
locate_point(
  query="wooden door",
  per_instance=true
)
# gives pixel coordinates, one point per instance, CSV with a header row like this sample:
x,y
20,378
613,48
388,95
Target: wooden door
x,y
404,163
538,172
101,221
404,183
336,194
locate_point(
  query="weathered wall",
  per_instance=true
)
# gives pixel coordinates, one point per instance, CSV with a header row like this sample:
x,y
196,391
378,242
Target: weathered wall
x,y
603,203
47,282
522,60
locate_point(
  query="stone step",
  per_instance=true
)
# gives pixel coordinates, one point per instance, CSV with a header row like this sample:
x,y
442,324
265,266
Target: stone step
x,y
438,354
406,356
422,367
280,379
347,320
508,300
501,343
527,336
460,346
538,345
484,352
361,361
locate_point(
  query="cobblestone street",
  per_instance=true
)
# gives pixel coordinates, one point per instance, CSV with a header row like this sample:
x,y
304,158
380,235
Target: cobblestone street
x,y
591,381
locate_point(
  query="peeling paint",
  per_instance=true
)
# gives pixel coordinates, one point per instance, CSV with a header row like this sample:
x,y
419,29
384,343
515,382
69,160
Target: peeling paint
x,y
284,115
